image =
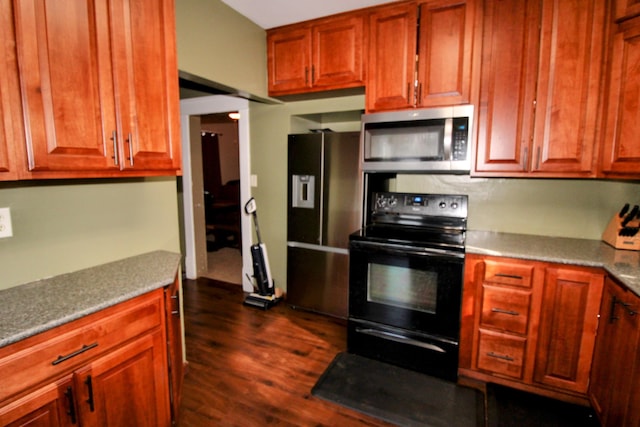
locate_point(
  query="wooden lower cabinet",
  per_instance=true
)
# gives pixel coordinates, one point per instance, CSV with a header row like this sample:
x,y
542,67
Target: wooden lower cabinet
x,y
50,405
616,362
530,325
107,369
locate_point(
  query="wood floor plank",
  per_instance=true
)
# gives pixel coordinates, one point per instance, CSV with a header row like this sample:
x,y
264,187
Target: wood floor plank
x,y
249,367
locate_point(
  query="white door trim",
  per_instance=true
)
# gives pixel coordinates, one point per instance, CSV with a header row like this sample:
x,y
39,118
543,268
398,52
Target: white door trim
x,y
211,105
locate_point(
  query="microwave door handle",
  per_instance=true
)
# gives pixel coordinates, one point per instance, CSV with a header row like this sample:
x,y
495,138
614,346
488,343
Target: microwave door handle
x,y
448,132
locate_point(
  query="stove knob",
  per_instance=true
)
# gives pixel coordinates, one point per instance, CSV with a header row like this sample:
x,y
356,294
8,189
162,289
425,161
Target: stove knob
x,y
454,205
392,201
442,205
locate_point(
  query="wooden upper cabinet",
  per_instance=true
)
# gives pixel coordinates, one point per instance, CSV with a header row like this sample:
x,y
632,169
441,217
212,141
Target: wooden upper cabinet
x,y
620,156
420,55
568,94
392,57
445,46
626,9
324,54
10,135
146,75
99,83
66,82
540,88
289,59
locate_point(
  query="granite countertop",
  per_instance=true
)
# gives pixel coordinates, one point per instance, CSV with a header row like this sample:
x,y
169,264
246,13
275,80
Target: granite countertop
x,y
623,265
45,304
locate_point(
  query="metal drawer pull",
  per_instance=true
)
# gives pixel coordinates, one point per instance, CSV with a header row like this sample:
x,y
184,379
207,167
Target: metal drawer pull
x,y
500,356
84,348
502,311
510,276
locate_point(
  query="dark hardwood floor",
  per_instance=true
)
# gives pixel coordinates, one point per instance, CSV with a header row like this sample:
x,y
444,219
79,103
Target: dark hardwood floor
x,y
249,367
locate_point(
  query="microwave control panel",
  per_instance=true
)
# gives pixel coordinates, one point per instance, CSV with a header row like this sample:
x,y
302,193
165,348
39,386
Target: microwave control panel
x,y
459,138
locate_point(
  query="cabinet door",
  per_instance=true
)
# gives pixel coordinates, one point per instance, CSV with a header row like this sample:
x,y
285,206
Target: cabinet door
x,y
615,358
127,387
9,106
146,75
445,52
174,345
392,57
52,405
507,86
337,55
626,8
66,84
568,93
568,324
620,149
289,59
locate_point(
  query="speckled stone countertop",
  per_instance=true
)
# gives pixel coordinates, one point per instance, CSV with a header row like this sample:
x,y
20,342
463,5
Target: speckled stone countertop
x,y
623,265
42,305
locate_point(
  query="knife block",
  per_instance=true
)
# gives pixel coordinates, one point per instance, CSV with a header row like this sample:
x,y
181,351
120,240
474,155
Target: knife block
x,y
612,236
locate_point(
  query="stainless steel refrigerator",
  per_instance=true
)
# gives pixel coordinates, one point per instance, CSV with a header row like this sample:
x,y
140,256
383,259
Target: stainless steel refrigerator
x,y
324,208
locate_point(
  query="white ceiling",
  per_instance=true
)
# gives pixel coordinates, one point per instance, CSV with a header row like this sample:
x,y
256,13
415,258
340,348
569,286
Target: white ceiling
x,y
274,13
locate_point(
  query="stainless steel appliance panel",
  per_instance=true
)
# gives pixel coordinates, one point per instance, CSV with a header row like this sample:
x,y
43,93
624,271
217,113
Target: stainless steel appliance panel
x,y
341,203
320,229
318,280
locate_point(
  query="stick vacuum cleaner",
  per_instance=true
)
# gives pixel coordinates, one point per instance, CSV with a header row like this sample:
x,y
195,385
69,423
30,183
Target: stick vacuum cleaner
x,y
264,296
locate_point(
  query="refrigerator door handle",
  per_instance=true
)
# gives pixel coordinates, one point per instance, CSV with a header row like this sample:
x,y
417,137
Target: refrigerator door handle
x,y
320,248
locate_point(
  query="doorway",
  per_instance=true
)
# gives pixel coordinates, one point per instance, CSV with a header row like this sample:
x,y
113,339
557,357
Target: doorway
x,y
195,245
221,186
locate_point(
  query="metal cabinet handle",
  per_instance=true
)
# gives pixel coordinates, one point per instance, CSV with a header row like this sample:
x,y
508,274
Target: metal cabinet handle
x,y
510,276
500,356
90,390
130,141
114,138
72,409
503,311
84,348
176,312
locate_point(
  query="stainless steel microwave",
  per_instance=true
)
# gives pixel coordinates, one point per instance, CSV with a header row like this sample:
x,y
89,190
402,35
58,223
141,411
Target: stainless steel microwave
x,y
423,140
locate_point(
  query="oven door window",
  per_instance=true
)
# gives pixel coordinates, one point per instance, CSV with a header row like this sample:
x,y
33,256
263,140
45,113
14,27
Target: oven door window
x,y
406,290
402,287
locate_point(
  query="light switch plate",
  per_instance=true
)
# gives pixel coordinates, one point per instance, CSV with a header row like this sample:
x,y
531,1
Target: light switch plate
x,y
5,223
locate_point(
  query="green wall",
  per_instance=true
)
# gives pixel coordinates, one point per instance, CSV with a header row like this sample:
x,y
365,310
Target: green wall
x,y
216,43
64,226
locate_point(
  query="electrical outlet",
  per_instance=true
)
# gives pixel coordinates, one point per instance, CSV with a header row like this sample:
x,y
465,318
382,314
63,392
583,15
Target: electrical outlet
x,y
5,223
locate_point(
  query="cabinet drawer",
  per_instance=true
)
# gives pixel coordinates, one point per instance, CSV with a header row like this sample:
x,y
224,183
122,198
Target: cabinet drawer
x,y
501,354
52,353
508,273
505,309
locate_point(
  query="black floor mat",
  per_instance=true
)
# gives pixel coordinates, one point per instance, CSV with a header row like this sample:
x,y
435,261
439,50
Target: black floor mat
x,y
397,395
507,407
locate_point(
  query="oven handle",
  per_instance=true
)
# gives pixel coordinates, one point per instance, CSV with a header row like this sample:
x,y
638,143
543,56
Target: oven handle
x,y
399,338
407,250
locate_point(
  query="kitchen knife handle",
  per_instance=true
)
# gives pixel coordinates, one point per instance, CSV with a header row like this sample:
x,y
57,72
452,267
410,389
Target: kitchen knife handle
x,y
624,210
631,215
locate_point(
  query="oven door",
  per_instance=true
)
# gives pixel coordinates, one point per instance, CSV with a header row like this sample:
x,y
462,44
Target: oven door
x,y
411,288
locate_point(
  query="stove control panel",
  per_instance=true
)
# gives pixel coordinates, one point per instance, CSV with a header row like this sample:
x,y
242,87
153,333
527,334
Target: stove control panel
x,y
454,206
